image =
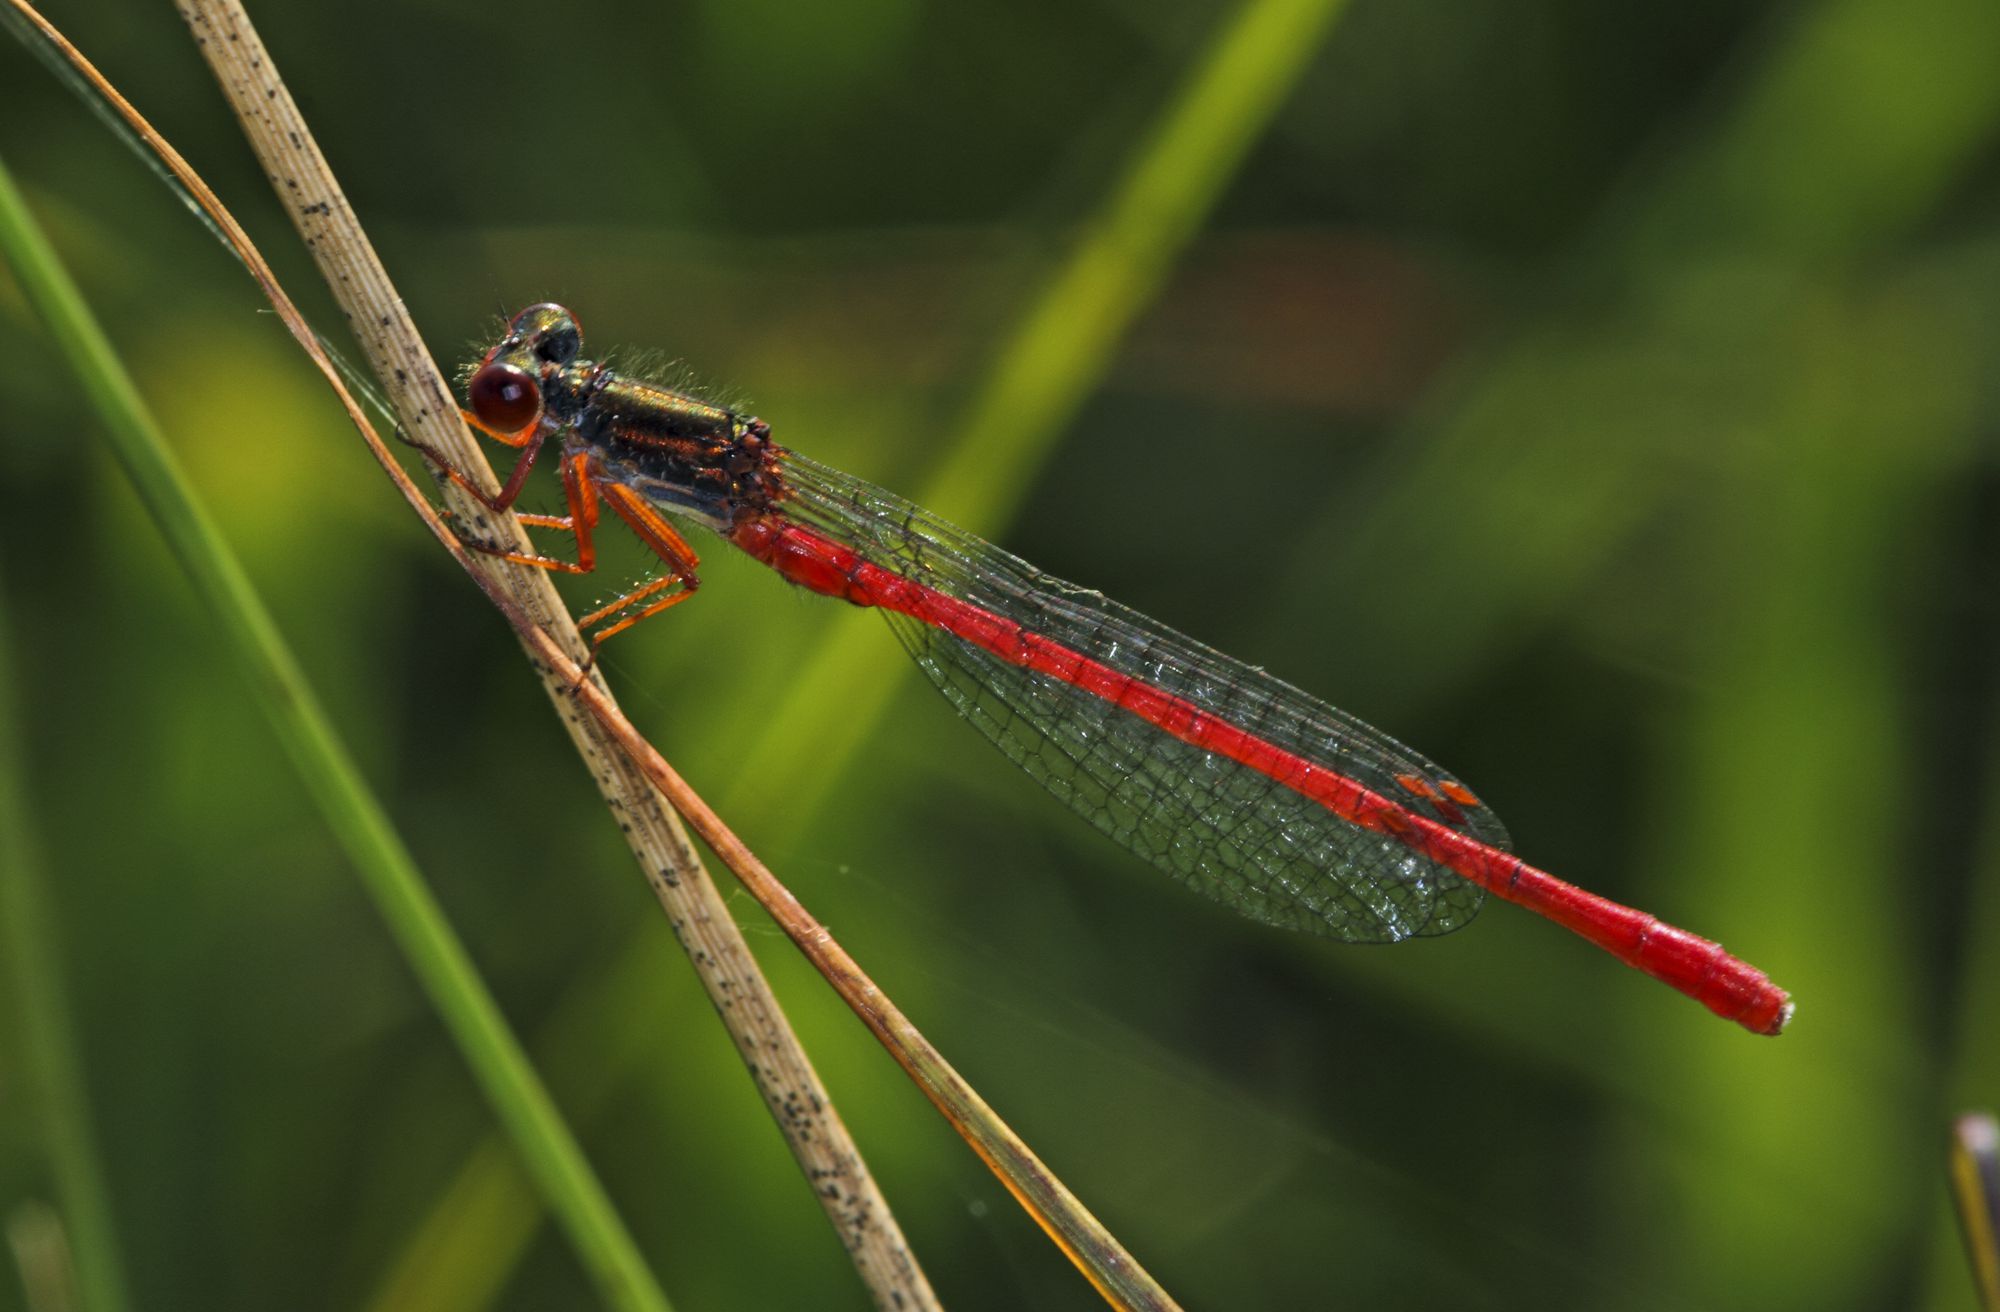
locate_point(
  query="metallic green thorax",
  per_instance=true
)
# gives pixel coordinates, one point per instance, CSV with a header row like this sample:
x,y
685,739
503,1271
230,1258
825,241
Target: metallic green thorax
x,y
680,451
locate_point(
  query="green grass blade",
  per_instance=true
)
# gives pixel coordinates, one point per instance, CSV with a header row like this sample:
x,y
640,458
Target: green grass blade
x,y
1063,343
1067,338
31,942
1057,353
358,820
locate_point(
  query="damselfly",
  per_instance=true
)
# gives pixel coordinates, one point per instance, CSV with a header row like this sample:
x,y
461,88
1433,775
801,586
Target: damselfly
x,y
1234,782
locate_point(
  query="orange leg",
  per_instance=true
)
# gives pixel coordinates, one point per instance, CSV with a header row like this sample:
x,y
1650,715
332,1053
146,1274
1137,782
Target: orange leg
x,y
528,441
652,528
633,598
580,490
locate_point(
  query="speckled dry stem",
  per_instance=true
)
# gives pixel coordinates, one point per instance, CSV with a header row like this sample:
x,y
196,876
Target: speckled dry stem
x,y
424,405
1095,1250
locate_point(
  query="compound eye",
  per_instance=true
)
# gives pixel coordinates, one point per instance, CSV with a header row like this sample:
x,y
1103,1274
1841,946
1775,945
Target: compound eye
x,y
550,330
560,343
505,397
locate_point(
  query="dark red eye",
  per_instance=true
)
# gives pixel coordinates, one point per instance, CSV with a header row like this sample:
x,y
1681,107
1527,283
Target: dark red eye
x,y
505,397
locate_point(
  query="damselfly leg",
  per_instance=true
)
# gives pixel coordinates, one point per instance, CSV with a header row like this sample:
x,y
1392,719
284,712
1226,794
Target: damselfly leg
x,y
585,490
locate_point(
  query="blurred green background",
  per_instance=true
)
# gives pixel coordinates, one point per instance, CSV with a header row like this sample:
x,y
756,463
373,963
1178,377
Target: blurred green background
x,y
1594,396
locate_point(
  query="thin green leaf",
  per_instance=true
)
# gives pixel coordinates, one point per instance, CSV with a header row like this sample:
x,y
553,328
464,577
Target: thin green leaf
x,y
359,821
31,942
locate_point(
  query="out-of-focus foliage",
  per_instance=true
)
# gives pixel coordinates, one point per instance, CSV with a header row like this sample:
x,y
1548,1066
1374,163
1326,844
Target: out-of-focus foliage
x,y
1595,396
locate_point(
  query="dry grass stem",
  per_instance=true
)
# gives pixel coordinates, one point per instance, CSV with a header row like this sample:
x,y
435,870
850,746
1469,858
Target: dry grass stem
x,y
425,407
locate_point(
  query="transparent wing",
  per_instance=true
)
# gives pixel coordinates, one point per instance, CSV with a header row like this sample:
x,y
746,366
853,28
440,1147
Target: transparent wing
x,y
1220,827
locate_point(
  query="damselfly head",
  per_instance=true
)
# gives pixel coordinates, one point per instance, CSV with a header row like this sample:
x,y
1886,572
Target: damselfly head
x,y
507,391
505,397
548,332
